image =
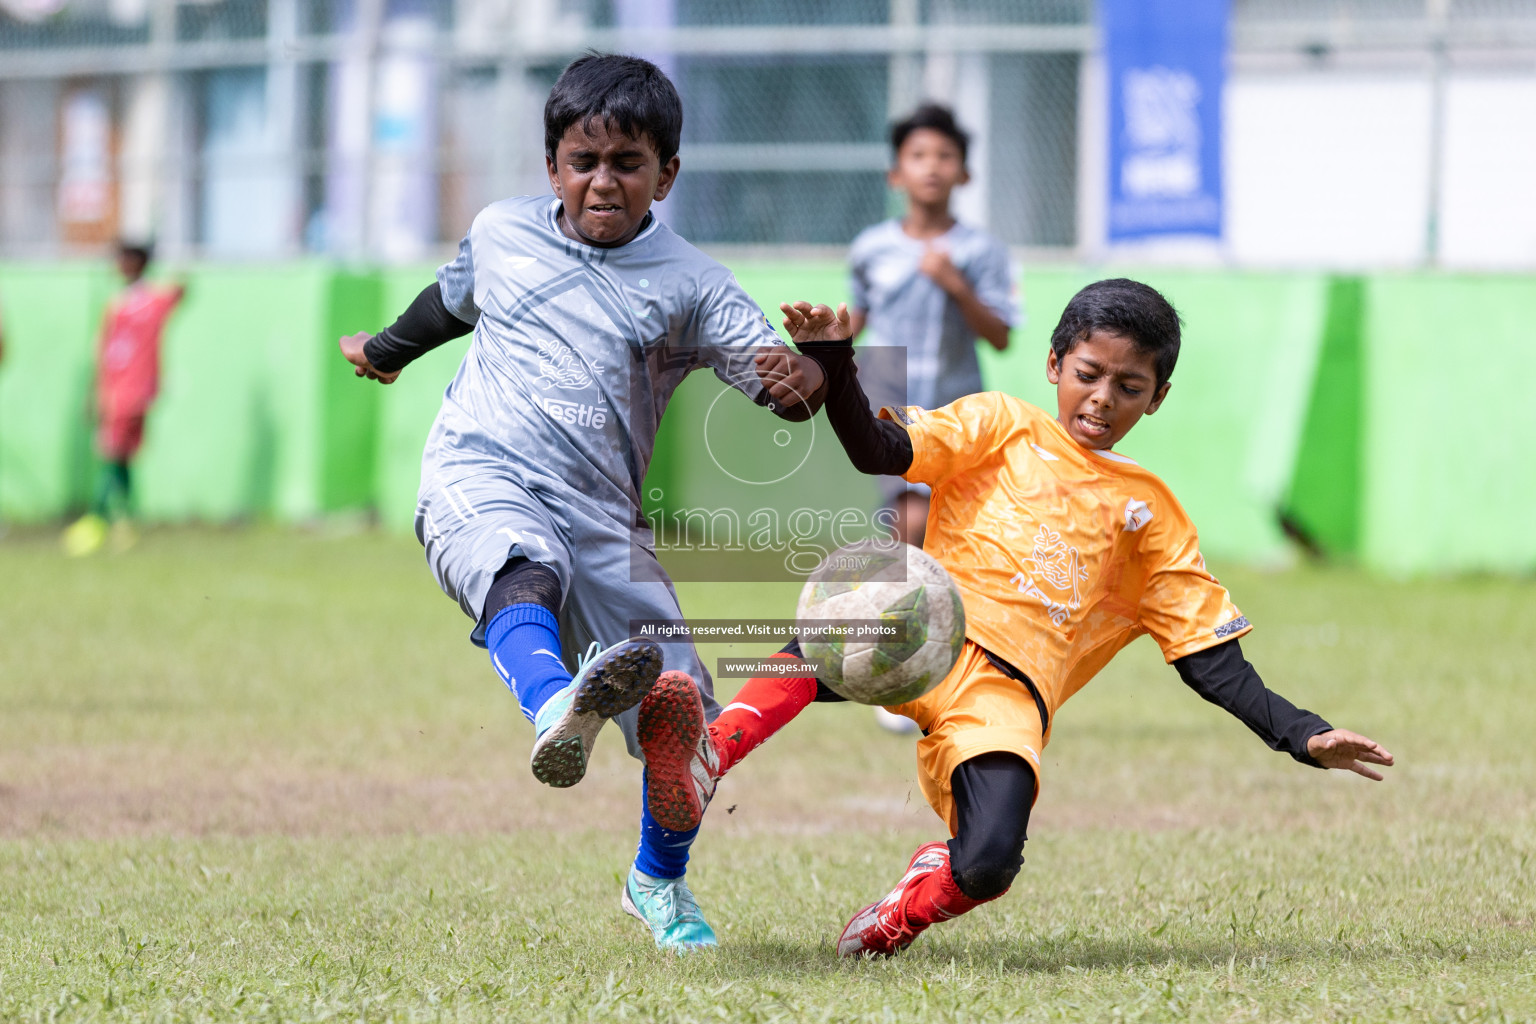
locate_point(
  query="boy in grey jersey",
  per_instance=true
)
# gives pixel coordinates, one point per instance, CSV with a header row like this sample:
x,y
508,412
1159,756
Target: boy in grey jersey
x,y
587,313
930,285
577,351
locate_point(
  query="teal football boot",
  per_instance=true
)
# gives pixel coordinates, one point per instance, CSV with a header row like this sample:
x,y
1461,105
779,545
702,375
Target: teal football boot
x,y
607,682
668,908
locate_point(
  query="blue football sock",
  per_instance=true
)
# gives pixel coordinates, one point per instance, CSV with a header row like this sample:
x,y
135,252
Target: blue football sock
x,y
663,853
524,641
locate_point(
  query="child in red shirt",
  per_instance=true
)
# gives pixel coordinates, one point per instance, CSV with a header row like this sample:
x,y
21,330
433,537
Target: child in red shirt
x,y
127,379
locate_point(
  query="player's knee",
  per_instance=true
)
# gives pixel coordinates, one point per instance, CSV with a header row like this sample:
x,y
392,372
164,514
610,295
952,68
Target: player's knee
x,y
985,863
987,873
523,582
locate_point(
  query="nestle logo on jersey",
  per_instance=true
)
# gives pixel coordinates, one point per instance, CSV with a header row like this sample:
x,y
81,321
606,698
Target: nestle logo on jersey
x,y
574,414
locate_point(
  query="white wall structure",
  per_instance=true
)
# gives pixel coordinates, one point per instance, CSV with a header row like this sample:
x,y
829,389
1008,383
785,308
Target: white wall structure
x,y
145,122
1488,204
1334,169
29,131
250,203
1327,168
1358,133
402,207
245,199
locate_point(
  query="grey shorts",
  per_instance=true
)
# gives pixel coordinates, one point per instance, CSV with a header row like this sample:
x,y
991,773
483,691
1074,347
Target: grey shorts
x,y
608,571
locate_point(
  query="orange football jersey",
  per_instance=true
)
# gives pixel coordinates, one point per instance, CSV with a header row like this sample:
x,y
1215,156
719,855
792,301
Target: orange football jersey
x,y
1062,555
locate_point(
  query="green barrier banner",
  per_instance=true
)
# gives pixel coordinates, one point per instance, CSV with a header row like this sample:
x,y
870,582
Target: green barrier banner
x,y
255,415
1301,403
1448,428
50,316
1322,506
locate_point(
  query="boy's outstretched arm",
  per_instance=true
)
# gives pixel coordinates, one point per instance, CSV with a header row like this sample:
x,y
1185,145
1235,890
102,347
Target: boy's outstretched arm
x,y
794,385
875,446
1224,677
425,324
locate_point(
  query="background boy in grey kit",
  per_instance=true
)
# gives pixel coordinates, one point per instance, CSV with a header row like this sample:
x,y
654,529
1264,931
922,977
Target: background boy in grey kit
x,y
587,313
930,285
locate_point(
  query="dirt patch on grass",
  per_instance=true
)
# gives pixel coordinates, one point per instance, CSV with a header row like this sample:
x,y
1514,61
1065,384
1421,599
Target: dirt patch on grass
x,y
94,793
85,793
79,793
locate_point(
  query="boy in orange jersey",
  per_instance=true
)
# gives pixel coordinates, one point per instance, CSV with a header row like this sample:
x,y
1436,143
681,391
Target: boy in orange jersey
x,y
1064,551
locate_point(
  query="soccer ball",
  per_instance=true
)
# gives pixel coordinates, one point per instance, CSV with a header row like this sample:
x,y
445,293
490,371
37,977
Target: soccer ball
x,y
900,623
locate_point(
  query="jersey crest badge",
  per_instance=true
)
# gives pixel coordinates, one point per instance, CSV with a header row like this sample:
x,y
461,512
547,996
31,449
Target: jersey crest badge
x,y
1059,565
1137,515
560,368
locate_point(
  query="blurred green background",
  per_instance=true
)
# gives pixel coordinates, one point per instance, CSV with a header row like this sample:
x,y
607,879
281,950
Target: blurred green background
x,y
1361,413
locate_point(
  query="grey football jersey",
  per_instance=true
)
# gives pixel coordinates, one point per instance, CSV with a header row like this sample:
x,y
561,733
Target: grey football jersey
x,y
577,351
905,308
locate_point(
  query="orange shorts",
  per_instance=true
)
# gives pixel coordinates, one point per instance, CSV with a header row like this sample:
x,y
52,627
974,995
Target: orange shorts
x,y
975,710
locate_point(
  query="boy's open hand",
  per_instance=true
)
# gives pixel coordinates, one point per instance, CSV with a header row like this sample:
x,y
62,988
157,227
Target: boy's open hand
x,y
1340,748
352,348
808,323
790,379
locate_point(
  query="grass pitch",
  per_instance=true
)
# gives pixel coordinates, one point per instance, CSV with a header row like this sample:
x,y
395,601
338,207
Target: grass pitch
x,y
262,775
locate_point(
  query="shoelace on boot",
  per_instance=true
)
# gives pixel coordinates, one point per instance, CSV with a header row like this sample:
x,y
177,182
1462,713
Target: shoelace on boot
x,y
676,899
582,661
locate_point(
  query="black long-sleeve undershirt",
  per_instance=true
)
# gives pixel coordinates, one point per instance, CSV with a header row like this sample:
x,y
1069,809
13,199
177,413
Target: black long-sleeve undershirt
x,y
874,446
425,324
1224,677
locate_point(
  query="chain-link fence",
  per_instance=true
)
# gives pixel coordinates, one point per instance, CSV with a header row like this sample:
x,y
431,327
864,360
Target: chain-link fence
x,y
270,128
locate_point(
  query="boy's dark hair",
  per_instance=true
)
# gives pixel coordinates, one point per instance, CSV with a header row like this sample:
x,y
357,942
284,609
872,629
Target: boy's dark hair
x,y
140,252
1127,308
935,118
629,92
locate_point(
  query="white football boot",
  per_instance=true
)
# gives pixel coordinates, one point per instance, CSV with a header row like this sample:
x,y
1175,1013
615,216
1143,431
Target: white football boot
x,y
607,682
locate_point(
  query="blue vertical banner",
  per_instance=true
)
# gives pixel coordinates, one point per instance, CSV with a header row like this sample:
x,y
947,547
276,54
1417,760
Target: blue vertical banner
x,y
1166,62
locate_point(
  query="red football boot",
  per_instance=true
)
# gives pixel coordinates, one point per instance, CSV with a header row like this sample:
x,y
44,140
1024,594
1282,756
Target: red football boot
x,y
883,928
681,763
926,894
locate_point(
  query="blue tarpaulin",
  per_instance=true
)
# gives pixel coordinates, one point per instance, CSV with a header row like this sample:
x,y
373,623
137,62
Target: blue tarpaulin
x,y
1166,63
